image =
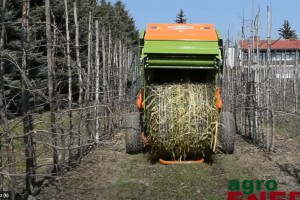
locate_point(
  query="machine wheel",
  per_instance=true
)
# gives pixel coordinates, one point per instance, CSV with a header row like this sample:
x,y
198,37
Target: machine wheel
x,y
133,140
227,132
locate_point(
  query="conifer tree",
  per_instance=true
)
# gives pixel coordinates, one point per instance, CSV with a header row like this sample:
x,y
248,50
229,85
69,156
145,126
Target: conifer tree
x,y
180,18
286,31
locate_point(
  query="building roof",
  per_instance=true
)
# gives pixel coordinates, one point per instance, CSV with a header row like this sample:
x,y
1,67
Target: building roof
x,y
275,44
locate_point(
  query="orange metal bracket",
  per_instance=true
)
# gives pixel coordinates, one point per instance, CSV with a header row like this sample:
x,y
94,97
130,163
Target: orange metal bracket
x,y
140,100
219,100
165,162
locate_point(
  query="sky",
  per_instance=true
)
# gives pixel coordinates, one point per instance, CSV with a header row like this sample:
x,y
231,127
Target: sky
x,y
226,15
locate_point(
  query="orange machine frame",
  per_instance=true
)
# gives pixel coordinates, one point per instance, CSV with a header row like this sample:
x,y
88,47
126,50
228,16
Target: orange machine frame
x,y
199,32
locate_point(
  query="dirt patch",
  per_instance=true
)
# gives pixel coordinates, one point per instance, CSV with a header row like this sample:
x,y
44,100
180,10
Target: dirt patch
x,y
109,173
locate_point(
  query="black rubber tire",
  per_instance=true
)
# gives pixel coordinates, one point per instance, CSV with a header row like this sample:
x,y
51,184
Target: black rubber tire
x,y
133,139
227,132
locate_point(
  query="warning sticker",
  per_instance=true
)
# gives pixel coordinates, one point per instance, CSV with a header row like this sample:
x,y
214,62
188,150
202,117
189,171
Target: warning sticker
x,y
180,27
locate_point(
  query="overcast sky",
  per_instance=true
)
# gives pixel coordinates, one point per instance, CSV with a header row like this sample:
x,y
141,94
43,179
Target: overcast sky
x,y
226,15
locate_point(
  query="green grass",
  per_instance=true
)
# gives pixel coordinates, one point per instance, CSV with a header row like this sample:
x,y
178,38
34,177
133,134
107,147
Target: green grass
x,y
193,181
288,127
232,169
142,180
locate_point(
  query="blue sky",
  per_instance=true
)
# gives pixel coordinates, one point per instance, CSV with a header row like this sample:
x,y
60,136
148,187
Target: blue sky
x,y
226,15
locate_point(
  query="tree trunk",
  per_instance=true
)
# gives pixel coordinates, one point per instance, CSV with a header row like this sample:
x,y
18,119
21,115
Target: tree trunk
x,y
88,81
109,81
27,116
61,153
80,72
71,142
284,88
51,88
3,117
296,81
71,133
268,80
97,56
78,61
120,71
104,79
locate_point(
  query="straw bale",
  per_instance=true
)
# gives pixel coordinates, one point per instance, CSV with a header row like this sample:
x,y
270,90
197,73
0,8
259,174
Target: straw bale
x,y
182,120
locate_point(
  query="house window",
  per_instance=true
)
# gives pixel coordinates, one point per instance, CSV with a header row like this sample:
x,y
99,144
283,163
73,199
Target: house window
x,y
287,56
263,56
273,56
293,55
290,56
279,56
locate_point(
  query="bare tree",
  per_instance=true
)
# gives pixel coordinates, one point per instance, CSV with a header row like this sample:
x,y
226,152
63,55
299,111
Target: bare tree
x,y
3,118
70,93
69,76
6,133
101,90
295,87
79,72
97,57
104,76
78,61
51,88
27,116
120,57
109,75
266,90
88,79
270,134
